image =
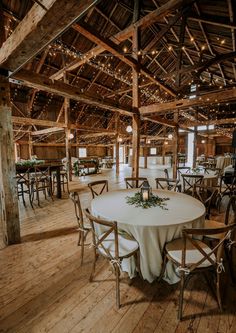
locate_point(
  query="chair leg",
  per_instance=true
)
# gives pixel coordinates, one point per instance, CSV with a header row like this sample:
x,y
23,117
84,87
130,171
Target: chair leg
x,y
229,256
94,265
79,239
137,260
117,271
82,248
218,291
181,297
163,268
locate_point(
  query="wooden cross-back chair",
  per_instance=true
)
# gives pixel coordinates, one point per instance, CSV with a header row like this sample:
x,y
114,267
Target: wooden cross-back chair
x,y
24,186
42,183
192,256
134,182
112,246
172,182
207,196
168,184
229,218
83,227
181,170
214,171
227,185
190,182
98,187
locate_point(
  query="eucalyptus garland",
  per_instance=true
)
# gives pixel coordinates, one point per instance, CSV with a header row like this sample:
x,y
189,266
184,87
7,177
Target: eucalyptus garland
x,y
153,201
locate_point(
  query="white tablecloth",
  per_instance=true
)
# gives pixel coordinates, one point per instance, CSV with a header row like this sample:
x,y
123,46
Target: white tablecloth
x,y
151,227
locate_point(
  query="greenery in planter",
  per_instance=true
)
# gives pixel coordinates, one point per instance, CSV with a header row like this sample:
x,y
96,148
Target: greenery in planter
x,y
153,201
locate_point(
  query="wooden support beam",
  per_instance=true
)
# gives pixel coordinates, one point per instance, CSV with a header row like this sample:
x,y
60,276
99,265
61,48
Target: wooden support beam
x,y
54,124
210,122
159,120
220,96
40,27
124,34
47,131
108,45
9,213
212,20
135,95
67,134
117,144
180,50
175,146
41,82
202,66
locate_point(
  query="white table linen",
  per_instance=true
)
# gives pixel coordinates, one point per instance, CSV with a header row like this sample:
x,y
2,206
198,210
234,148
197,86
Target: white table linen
x,y
151,227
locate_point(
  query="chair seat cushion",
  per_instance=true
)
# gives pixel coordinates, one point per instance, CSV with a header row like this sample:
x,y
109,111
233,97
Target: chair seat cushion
x,y
127,245
174,250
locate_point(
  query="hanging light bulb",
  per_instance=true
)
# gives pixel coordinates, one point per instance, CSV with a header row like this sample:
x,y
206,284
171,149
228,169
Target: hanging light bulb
x,y
129,129
120,139
148,141
203,141
71,136
166,142
170,136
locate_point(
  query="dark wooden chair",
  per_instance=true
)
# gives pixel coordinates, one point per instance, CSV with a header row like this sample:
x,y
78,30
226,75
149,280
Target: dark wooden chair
x,y
207,196
181,170
42,182
83,227
229,218
98,187
167,184
172,182
63,180
227,185
24,185
192,256
134,182
190,182
112,246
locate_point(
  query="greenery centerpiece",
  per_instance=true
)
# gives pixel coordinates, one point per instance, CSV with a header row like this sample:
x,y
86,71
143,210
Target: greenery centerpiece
x,y
153,201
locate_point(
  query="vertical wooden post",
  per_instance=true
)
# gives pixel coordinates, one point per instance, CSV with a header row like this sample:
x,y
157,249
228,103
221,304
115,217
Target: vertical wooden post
x,y
136,97
145,153
175,146
30,146
67,135
195,147
117,144
9,214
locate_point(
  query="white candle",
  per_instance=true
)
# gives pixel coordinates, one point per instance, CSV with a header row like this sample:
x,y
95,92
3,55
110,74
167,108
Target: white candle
x,y
145,196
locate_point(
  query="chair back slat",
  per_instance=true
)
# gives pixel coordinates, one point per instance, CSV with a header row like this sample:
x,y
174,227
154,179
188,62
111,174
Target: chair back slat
x,y
188,235
166,183
190,182
134,182
98,187
181,170
110,228
78,209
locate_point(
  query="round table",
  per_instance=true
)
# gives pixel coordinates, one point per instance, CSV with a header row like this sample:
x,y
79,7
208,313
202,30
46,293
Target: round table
x,y
151,227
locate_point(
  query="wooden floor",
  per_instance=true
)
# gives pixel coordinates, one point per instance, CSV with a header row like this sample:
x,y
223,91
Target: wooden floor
x,y
44,289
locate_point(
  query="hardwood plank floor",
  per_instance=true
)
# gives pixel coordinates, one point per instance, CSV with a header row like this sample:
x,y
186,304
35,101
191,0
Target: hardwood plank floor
x,y
43,288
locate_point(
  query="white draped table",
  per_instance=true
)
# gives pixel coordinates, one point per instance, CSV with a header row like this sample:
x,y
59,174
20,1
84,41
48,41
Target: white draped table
x,y
151,227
